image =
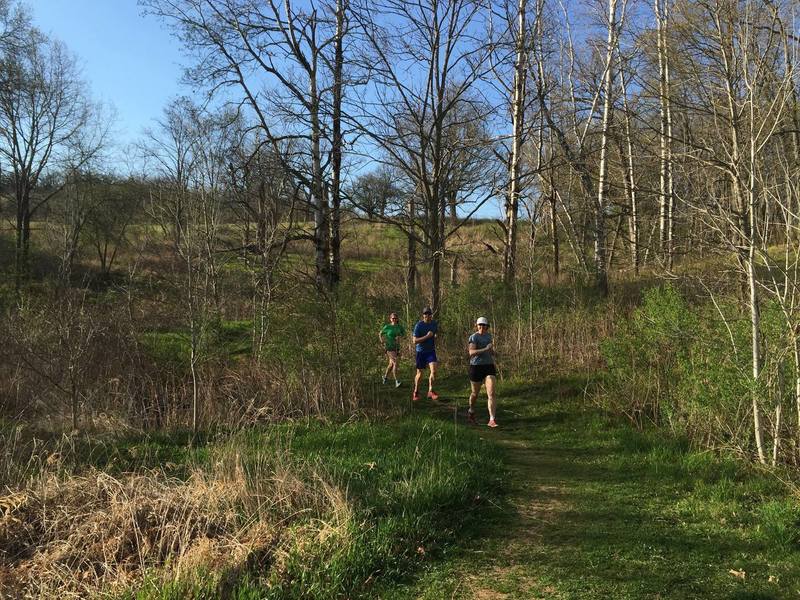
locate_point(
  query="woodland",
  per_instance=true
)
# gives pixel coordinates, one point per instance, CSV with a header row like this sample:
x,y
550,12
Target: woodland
x,y
190,375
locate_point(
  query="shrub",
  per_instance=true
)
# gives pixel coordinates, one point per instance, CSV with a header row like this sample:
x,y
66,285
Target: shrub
x,y
690,367
644,355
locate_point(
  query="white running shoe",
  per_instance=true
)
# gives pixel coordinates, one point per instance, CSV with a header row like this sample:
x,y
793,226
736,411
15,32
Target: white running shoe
x,y
384,380
396,383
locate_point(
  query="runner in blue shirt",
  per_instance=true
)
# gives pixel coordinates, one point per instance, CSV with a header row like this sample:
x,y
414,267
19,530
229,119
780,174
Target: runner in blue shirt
x,y
425,339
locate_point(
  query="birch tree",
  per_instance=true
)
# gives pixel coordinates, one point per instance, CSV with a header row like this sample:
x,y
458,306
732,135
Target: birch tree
x,y
629,178
666,198
733,48
614,24
520,36
569,107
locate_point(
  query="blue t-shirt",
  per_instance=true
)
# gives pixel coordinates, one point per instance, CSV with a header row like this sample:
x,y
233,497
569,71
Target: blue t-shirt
x,y
481,341
420,329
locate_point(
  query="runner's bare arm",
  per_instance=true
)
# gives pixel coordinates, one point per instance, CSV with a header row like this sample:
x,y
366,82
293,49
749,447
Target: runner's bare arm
x,y
473,349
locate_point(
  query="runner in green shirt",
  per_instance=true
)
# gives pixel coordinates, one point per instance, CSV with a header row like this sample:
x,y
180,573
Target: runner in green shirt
x,y
388,337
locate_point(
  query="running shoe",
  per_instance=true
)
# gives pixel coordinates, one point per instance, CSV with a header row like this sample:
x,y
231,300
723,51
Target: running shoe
x,y
492,423
433,395
384,380
415,397
397,384
471,418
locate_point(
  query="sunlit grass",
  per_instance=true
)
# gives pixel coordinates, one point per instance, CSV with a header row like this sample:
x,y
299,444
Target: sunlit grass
x,y
599,510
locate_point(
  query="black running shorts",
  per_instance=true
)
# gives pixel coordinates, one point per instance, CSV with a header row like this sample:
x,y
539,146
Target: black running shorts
x,y
478,373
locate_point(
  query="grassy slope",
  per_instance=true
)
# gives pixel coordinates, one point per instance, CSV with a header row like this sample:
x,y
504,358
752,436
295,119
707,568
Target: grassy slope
x,y
411,483
597,510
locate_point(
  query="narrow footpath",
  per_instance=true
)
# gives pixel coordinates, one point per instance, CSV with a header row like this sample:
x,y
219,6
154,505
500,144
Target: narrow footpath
x,y
595,509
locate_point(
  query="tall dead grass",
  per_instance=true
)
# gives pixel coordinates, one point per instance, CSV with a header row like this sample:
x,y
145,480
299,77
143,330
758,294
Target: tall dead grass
x,y
82,535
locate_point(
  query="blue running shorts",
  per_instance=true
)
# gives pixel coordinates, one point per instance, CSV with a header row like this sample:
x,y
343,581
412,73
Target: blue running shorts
x,y
425,358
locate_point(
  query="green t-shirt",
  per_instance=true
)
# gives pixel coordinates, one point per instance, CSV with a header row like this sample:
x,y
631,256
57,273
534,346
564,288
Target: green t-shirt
x,y
391,332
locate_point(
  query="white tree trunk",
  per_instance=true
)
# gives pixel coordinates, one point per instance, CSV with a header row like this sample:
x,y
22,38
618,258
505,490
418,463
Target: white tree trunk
x,y
599,209
518,121
666,195
630,182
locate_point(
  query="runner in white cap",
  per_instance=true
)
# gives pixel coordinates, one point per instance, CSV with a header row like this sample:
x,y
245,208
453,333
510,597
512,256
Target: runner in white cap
x,y
481,368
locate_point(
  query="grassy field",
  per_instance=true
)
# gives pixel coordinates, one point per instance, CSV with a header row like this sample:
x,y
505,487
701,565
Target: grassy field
x,y
559,502
599,510
303,510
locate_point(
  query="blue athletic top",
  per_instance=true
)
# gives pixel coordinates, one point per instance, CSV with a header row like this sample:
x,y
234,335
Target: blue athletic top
x,y
420,329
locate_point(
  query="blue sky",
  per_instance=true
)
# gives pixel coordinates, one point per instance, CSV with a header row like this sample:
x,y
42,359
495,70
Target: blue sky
x,y
128,60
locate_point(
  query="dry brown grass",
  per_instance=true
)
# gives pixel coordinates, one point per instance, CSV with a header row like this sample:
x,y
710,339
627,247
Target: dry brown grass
x,y
77,536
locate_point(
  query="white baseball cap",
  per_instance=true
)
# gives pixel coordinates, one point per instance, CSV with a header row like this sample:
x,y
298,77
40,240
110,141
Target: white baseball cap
x,y
482,321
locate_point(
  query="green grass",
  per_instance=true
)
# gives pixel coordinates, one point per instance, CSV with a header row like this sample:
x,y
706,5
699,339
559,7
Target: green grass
x,y
225,339
365,265
597,510
594,509
413,484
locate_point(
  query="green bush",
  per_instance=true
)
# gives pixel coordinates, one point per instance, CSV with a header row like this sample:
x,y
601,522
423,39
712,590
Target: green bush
x,y
690,367
644,356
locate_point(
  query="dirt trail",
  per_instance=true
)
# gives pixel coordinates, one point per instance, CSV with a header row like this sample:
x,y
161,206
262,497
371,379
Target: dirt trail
x,y
537,500
542,468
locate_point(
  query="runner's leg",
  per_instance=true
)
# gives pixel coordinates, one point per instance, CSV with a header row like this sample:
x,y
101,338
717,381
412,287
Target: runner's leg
x,y
389,366
432,376
490,381
473,395
392,363
417,379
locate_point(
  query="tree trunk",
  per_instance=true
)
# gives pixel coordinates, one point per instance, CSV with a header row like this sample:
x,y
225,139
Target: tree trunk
x,y
518,118
411,253
755,314
666,195
336,148
554,233
437,245
453,224
599,209
629,181
614,239
23,235
319,201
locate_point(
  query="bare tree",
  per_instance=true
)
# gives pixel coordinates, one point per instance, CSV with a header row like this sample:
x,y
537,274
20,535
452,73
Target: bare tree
x,y
517,34
43,112
107,225
629,178
569,107
666,198
263,194
169,149
733,67
286,61
615,22
427,59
